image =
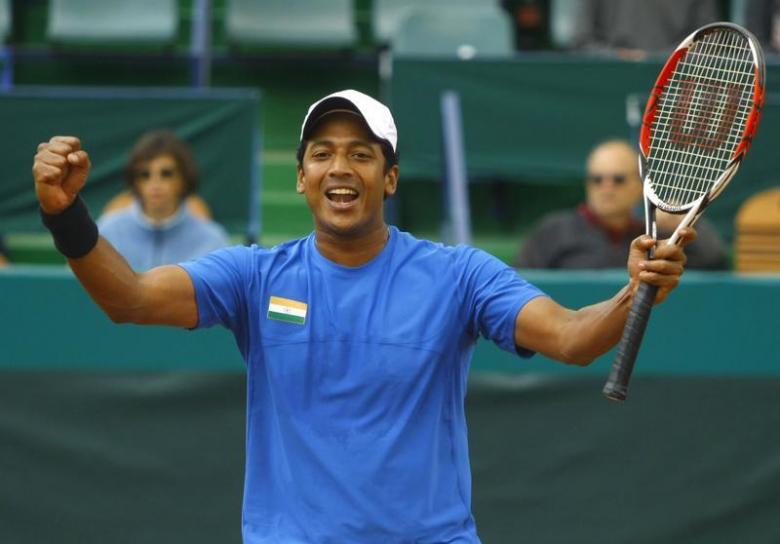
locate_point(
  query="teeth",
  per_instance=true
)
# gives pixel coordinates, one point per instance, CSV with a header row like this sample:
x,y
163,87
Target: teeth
x,y
342,191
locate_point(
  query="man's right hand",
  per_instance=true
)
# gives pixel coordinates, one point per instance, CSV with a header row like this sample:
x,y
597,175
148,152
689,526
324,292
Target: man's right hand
x,y
60,170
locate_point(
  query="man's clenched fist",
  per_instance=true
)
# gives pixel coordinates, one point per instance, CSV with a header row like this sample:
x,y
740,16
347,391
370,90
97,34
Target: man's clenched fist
x,y
60,170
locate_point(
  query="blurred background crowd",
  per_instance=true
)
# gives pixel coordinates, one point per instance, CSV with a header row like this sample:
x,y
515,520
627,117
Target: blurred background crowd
x,y
542,84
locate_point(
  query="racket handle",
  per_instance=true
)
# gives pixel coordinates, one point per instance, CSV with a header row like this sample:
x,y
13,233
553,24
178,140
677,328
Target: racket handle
x,y
616,387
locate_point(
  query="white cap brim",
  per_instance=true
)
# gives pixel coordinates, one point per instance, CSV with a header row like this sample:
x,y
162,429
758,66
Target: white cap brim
x,y
376,115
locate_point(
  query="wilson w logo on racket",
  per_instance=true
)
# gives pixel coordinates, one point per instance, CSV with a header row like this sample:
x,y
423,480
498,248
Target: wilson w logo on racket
x,y
710,128
698,125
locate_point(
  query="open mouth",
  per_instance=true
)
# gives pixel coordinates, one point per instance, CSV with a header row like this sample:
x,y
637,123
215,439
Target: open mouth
x,y
341,195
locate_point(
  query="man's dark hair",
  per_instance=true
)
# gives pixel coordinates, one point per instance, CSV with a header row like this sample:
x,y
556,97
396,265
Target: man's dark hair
x,y
156,144
391,157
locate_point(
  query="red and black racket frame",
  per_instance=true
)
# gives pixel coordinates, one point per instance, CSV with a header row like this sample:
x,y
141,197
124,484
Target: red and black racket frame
x,y
616,387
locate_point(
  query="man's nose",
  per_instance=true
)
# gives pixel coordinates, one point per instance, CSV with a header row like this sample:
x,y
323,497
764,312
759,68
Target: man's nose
x,y
339,166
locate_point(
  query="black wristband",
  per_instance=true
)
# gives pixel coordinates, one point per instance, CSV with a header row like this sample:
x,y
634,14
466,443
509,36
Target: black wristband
x,y
73,230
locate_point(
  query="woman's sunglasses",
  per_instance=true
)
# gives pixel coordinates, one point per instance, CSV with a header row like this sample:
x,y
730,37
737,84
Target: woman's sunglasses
x,y
165,173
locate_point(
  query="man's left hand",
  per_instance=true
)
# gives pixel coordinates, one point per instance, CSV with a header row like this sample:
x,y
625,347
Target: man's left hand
x,y
666,266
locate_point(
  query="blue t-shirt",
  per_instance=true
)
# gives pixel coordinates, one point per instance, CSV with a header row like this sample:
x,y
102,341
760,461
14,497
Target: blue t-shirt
x,y
356,431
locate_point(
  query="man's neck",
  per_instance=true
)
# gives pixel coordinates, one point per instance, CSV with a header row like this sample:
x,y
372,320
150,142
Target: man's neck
x,y
352,250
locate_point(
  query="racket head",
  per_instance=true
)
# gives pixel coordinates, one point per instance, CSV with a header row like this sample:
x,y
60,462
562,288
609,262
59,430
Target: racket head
x,y
701,116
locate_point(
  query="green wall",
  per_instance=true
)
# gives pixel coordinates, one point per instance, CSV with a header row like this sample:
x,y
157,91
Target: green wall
x,y
148,457
221,125
709,326
532,120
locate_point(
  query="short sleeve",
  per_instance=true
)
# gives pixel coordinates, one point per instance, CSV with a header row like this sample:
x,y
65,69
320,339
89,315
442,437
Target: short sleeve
x,y
220,280
494,296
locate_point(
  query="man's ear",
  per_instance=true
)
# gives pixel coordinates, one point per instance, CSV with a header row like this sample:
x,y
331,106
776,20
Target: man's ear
x,y
300,185
391,181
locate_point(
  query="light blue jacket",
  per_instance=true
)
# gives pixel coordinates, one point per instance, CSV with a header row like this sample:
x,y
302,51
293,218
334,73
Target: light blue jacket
x,y
146,245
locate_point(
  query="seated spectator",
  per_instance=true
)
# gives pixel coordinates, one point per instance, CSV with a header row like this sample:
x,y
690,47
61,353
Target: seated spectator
x,y
157,228
634,28
599,232
3,253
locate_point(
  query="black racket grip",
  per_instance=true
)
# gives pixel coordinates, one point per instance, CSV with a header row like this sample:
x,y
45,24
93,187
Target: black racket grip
x,y
616,387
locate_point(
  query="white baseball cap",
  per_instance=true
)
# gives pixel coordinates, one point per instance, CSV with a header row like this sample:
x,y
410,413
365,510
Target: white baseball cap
x,y
376,115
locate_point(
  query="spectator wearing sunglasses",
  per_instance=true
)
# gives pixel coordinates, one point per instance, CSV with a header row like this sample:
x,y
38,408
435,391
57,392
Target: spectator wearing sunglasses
x,y
598,233
157,228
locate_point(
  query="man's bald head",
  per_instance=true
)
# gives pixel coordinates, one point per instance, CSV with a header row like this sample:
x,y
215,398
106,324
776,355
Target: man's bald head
x,y
614,152
612,182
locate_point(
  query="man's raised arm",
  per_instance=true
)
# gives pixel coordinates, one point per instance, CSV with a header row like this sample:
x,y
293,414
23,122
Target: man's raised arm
x,y
163,296
580,336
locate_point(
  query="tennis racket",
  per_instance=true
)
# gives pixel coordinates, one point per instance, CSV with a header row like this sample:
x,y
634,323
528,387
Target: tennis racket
x,y
698,125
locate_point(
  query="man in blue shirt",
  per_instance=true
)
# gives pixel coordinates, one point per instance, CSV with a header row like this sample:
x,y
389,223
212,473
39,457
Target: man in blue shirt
x,y
357,339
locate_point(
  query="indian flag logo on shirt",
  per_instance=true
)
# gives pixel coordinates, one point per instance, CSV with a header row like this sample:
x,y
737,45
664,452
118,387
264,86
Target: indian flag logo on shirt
x,y
285,309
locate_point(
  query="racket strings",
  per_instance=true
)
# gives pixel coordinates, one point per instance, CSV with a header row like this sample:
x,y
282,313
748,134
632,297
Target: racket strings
x,y
701,117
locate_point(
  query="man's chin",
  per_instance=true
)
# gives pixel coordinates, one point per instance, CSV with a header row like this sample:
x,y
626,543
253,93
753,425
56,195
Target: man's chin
x,y
340,228
345,228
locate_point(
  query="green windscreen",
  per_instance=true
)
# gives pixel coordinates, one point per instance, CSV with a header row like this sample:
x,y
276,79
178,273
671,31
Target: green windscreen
x,y
533,120
221,125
